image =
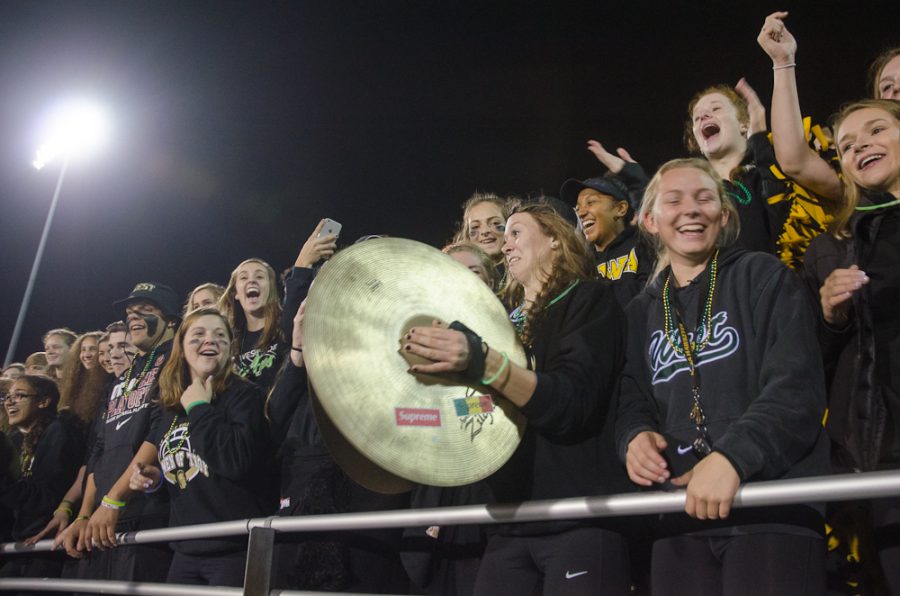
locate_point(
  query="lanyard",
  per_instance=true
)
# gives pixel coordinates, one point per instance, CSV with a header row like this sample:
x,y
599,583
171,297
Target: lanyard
x,y
702,333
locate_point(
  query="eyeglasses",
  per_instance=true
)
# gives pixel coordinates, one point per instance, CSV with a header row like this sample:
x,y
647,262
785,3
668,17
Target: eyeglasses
x,y
15,398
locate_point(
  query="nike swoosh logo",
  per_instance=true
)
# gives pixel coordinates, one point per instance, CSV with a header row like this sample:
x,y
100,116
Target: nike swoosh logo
x,y
122,423
570,575
682,450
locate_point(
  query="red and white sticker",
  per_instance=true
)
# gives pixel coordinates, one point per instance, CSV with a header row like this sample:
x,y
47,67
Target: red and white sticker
x,y
417,417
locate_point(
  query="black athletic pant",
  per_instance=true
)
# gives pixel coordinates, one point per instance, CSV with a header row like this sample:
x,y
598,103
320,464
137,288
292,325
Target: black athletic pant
x,y
582,561
752,564
208,570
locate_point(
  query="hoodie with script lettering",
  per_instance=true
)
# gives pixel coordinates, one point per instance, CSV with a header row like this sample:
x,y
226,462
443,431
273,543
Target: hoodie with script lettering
x,y
761,377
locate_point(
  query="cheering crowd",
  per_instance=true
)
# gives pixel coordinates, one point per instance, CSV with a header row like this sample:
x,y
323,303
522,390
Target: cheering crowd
x,y
730,319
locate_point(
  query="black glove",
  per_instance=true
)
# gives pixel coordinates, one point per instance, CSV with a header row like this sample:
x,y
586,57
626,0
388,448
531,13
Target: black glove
x,y
477,353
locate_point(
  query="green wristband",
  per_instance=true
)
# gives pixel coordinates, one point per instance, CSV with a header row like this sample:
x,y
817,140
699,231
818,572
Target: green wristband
x,y
192,405
500,370
112,503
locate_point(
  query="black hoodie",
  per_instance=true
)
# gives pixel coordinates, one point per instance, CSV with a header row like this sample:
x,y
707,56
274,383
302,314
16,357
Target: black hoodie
x,y
762,383
627,263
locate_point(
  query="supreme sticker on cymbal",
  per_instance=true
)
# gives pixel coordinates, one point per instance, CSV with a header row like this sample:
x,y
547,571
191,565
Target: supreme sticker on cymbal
x,y
417,417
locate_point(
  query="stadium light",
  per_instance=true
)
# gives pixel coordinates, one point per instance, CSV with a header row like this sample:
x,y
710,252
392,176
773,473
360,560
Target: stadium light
x,y
74,130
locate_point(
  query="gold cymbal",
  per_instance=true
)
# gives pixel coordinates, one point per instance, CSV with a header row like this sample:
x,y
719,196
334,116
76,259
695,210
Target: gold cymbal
x,y
357,466
428,429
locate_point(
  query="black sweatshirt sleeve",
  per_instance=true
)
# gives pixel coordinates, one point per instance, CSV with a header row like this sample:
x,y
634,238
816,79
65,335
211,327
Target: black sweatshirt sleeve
x,y
231,436
577,380
637,409
287,394
296,287
783,422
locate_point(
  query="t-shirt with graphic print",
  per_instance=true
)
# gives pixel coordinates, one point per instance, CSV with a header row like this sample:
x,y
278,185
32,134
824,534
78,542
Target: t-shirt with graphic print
x,y
125,422
259,365
213,463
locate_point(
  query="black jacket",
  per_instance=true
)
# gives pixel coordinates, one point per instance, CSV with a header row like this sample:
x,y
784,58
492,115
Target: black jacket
x,y
863,384
567,449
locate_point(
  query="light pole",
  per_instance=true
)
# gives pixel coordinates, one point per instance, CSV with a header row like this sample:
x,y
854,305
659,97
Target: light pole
x,y
76,129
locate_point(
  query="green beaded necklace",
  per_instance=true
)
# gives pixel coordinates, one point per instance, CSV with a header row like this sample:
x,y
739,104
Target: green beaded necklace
x,y
127,390
878,206
743,200
677,340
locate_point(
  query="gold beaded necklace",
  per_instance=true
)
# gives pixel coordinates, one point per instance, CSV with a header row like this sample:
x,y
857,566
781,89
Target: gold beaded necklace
x,y
703,325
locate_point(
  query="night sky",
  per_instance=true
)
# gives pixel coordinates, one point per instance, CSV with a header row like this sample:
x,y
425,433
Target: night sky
x,y
239,126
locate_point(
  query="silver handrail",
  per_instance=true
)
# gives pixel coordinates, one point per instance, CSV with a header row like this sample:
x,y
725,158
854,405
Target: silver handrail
x,y
133,588
843,487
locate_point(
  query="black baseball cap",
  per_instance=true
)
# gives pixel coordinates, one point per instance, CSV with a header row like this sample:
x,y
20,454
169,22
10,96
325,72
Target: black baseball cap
x,y
161,295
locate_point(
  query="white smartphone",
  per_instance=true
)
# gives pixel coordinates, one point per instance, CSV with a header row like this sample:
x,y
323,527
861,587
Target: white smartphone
x,y
330,228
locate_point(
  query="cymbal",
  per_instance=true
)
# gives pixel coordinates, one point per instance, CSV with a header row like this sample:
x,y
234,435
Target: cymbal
x,y
352,461
427,429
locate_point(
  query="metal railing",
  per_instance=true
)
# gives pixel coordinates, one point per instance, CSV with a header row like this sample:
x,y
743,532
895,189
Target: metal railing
x,y
843,487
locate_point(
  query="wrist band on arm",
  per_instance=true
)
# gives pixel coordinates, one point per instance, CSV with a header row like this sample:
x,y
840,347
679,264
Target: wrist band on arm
x,y
112,503
156,487
783,66
81,518
500,370
192,405
65,509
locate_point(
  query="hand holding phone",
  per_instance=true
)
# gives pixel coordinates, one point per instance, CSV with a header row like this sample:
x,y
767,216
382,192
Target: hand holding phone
x,y
321,244
330,228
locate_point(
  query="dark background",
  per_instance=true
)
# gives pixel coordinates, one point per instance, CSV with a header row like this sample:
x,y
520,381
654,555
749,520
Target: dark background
x,y
239,125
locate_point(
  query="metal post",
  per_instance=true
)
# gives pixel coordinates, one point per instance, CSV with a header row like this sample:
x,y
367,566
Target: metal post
x,y
20,321
258,574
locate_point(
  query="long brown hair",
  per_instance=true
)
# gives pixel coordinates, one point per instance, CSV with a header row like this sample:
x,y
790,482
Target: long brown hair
x,y
852,188
176,375
727,235
81,389
571,262
234,312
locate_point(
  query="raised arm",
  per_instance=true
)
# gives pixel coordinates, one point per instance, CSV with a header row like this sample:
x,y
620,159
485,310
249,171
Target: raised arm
x,y
795,157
